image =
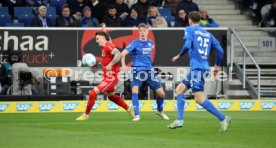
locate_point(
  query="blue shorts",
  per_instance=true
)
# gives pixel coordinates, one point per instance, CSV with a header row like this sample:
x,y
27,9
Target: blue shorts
x,y
196,80
148,76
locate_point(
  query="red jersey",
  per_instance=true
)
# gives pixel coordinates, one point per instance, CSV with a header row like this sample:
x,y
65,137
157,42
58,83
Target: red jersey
x,y
107,57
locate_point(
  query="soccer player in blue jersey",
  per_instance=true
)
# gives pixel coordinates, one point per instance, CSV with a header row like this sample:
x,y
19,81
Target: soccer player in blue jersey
x,y
198,42
142,71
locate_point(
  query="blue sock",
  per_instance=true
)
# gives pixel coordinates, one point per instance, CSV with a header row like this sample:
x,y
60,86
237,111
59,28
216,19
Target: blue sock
x,y
159,102
180,106
135,103
211,108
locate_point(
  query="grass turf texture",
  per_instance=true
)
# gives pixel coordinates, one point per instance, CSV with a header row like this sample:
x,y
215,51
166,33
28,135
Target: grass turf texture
x,y
112,130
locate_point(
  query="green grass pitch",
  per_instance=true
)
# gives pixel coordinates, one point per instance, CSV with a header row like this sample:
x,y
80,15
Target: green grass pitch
x,y
115,130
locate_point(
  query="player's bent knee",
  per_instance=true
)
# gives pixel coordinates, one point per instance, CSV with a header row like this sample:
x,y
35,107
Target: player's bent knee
x,y
134,89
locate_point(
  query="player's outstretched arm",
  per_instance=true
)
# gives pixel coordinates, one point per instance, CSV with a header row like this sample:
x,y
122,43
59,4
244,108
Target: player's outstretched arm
x,y
116,59
184,49
123,60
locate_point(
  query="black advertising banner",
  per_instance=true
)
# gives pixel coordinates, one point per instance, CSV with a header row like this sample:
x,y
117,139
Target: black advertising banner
x,y
64,47
42,48
168,43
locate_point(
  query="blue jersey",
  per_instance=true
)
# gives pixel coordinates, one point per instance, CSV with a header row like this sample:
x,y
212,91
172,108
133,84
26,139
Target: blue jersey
x,y
199,43
140,52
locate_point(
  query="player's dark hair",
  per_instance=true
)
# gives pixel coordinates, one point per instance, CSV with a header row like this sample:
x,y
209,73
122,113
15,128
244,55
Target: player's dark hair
x,y
143,25
105,34
194,16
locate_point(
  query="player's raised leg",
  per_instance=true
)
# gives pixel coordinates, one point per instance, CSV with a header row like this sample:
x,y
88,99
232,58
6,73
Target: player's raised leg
x,y
180,98
120,102
92,97
208,105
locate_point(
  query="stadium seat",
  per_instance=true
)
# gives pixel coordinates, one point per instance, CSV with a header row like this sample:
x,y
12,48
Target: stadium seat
x,y
4,10
22,11
53,19
58,4
14,24
4,19
165,11
169,20
26,19
51,11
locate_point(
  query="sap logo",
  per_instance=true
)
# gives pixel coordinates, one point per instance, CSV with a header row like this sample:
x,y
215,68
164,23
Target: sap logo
x,y
3,107
46,106
268,105
154,105
199,107
69,106
246,105
186,105
224,105
96,105
23,107
112,106
141,104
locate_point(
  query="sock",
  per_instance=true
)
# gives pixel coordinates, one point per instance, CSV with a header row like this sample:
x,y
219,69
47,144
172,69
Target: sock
x,y
119,101
160,102
211,108
91,101
180,106
135,103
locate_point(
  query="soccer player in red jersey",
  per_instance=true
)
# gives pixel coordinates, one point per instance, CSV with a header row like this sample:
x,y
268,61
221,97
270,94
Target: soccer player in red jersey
x,y
110,58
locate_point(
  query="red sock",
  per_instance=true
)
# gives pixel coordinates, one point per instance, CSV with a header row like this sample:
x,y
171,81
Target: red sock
x,y
91,101
119,101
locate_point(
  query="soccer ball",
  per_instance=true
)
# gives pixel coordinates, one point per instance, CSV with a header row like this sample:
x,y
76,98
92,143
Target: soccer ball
x,y
88,60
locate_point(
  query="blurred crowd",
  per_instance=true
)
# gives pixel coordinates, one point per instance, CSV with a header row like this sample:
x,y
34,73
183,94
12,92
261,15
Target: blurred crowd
x,y
91,13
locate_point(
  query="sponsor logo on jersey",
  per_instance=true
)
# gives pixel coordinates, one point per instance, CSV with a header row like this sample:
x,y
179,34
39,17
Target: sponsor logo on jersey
x,y
246,105
3,107
224,105
70,106
46,106
23,107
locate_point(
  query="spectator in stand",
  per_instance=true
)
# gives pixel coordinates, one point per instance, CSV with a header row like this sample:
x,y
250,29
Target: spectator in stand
x,y
181,20
154,18
77,5
87,20
206,21
131,2
265,14
97,8
172,4
122,8
157,3
65,20
142,6
132,19
272,15
41,20
112,19
187,5
12,3
36,3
